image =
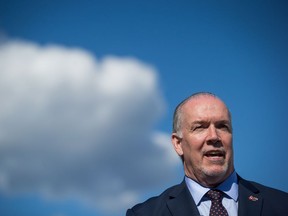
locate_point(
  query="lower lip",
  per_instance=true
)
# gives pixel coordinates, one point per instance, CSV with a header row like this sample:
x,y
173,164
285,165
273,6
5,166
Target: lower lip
x,y
215,158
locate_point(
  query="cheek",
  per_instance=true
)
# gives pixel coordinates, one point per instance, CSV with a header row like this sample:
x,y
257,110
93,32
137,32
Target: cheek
x,y
229,149
192,147
227,142
197,140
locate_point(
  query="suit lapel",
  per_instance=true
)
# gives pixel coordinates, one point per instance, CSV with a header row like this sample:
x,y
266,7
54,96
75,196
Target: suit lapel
x,y
250,200
181,202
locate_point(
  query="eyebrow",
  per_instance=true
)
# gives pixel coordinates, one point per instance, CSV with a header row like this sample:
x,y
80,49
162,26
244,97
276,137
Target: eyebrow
x,y
217,122
224,121
199,122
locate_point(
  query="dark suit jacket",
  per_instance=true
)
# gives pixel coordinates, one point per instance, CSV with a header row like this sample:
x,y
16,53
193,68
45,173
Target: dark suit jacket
x,y
254,200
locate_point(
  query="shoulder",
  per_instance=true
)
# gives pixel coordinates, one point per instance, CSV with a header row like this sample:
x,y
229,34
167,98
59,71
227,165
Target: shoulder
x,y
263,200
156,205
264,190
274,201
269,192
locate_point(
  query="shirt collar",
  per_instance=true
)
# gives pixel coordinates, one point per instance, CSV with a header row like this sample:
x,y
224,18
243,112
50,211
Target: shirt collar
x,y
229,187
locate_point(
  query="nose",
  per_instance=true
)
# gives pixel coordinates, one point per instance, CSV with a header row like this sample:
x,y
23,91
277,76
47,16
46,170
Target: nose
x,y
212,136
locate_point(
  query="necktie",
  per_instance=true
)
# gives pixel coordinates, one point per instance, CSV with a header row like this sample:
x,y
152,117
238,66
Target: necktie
x,y
217,209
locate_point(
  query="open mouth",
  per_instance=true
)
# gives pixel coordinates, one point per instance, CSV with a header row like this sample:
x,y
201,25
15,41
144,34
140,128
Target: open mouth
x,y
215,153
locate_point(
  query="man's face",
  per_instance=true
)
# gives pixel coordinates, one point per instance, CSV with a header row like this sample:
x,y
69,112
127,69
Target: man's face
x,y
206,140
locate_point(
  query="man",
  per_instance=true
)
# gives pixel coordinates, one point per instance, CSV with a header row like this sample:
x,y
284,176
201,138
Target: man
x,y
202,137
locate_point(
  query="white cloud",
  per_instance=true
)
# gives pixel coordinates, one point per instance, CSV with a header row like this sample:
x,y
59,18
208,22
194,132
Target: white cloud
x,y
75,126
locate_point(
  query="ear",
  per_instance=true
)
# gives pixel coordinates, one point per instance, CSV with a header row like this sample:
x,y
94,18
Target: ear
x,y
177,143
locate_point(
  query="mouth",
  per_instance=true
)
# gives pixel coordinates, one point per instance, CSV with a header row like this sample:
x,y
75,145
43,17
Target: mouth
x,y
215,154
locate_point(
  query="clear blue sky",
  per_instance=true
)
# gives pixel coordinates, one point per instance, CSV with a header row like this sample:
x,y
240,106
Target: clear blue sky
x,y
237,50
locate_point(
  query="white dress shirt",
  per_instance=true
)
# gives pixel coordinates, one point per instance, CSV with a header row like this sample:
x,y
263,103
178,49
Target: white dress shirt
x,y
230,200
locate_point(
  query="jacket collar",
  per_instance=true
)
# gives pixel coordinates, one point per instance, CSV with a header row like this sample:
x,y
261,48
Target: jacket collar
x,y
181,202
250,199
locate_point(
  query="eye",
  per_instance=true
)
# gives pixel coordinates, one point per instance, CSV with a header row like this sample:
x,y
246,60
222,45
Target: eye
x,y
199,127
224,126
195,127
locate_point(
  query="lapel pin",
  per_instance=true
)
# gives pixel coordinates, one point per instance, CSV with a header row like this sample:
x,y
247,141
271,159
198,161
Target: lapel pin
x,y
252,198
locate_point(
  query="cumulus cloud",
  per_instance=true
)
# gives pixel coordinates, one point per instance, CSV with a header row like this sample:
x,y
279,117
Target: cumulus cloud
x,y
75,126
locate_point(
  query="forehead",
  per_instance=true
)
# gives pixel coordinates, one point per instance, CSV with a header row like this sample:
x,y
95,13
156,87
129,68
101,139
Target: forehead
x,y
205,107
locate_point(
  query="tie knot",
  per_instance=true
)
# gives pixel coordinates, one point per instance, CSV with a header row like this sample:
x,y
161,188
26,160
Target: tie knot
x,y
215,195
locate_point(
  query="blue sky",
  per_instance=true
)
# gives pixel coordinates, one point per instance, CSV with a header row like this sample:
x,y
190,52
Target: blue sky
x,y
89,90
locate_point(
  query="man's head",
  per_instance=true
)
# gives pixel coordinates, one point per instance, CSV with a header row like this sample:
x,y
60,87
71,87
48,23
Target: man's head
x,y
202,137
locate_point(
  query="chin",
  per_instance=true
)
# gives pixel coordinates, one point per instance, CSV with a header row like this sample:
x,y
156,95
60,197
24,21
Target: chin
x,y
216,172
